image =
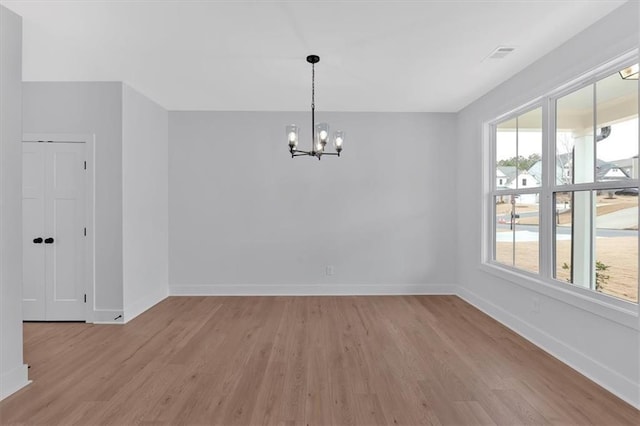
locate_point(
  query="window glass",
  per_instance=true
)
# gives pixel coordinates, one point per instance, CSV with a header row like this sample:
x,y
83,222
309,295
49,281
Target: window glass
x,y
573,234
506,148
596,236
562,204
617,127
530,148
519,151
517,231
616,243
574,137
504,227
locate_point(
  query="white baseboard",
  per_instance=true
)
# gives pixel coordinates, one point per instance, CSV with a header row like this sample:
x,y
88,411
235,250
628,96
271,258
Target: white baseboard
x,y
14,380
134,309
310,289
614,382
108,316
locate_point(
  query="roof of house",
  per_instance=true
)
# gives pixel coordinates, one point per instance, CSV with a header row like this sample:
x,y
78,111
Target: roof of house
x,y
509,171
602,168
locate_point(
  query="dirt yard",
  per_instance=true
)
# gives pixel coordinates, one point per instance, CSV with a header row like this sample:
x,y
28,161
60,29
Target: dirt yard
x,y
619,253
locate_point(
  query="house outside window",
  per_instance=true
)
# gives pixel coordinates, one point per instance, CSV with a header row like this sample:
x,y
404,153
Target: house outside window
x,y
573,220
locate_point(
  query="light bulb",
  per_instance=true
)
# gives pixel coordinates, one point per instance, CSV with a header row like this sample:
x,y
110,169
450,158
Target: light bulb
x,y
319,147
338,139
322,133
292,136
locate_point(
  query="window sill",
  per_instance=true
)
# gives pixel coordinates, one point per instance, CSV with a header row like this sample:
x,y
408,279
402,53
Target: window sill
x,y
616,310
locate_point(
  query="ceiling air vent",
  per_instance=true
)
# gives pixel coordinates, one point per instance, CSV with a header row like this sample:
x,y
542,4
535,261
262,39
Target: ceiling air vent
x,y
501,52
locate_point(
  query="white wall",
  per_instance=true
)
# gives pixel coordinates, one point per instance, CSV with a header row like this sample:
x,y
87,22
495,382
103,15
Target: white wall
x,y
605,350
144,202
90,108
245,218
13,373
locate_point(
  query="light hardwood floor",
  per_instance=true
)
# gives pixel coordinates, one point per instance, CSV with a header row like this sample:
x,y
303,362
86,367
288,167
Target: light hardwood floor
x,y
302,361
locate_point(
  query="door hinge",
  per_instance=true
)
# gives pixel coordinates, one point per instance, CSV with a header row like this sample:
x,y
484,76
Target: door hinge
x,y
85,298
85,165
85,232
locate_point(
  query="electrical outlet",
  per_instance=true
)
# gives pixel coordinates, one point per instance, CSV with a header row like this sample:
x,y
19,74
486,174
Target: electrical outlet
x,y
329,270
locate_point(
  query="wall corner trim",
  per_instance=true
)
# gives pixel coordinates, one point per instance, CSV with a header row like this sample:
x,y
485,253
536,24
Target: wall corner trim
x,y
14,380
141,305
108,316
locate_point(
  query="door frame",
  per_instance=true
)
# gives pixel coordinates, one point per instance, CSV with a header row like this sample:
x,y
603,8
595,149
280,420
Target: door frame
x,y
89,246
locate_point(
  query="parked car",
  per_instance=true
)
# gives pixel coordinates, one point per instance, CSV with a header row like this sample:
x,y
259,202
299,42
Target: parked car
x,y
628,191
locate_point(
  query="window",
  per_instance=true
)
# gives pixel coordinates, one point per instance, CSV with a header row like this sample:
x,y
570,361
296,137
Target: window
x,y
518,149
571,216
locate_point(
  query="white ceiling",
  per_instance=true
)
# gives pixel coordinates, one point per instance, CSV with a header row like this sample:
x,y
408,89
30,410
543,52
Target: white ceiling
x,y
250,56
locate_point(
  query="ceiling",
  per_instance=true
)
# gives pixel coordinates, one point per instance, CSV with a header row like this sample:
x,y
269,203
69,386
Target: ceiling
x,y
250,56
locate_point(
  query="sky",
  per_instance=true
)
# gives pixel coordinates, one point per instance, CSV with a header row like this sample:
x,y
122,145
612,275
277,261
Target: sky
x,y
621,144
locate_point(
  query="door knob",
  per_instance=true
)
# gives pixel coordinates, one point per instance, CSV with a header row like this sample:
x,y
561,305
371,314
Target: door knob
x,y
37,240
48,240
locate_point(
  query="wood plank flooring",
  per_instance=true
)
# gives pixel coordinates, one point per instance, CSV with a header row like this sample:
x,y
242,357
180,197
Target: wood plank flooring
x,y
407,360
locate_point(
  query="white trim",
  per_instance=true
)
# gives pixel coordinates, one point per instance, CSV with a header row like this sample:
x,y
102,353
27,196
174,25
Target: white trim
x,y
141,305
108,316
14,380
609,379
603,70
90,140
616,310
310,289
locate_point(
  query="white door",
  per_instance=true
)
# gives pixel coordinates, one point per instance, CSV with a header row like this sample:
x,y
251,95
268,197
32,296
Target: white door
x,y
53,231
33,274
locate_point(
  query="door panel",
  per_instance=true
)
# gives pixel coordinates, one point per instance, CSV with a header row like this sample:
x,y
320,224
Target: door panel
x,y
64,251
53,207
64,222
33,266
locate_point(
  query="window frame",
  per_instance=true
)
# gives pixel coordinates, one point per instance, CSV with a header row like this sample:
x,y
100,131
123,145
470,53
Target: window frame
x,y
611,307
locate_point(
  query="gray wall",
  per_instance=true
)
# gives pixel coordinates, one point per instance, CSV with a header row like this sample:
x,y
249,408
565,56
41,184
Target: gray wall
x,y
246,218
94,108
13,373
145,209
571,328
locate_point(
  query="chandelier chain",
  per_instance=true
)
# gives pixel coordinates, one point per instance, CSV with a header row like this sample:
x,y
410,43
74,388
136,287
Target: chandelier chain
x,y
313,85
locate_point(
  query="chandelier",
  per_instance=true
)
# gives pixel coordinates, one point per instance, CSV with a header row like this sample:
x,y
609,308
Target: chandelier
x,y
319,132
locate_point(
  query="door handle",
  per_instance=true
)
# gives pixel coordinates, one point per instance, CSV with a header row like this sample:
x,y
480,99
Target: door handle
x,y
48,240
37,240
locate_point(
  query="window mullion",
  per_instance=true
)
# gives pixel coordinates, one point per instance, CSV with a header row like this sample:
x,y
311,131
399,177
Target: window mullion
x,y
547,213
513,205
490,223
